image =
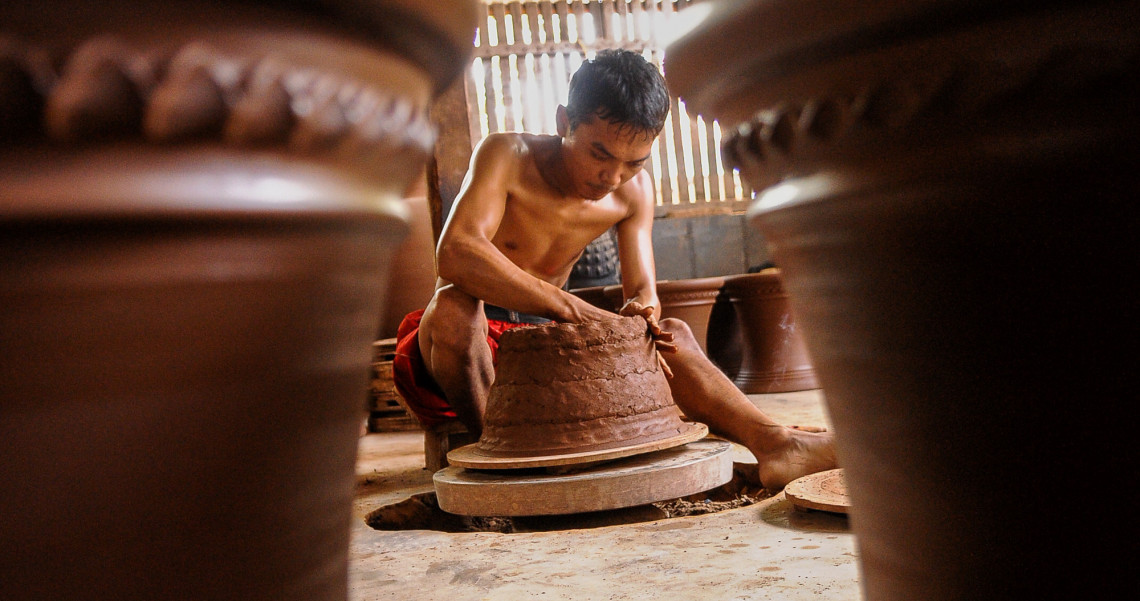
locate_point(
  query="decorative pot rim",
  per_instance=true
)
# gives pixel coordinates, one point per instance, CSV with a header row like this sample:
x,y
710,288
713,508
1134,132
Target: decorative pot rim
x,y
805,34
280,113
909,86
675,288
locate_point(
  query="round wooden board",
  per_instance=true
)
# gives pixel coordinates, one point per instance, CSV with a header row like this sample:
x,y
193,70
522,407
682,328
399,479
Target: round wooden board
x,y
823,491
471,456
661,475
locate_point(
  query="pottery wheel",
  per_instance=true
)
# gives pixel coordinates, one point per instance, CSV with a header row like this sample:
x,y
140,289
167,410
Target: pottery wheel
x,y
824,491
657,476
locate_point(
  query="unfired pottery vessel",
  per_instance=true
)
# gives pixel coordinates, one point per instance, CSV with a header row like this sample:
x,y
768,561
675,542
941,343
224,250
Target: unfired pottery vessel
x,y
773,357
197,206
950,188
578,390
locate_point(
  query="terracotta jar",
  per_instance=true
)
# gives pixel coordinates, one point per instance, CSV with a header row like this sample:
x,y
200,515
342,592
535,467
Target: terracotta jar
x,y
773,357
596,295
198,201
412,282
690,300
950,190
724,341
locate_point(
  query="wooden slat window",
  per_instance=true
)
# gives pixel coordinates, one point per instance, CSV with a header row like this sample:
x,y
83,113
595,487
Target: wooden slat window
x,y
525,53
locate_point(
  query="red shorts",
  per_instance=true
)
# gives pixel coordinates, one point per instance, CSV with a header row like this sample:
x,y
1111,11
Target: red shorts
x,y
419,390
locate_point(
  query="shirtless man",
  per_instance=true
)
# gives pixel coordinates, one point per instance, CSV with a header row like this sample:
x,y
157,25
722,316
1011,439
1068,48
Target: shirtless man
x,y
528,207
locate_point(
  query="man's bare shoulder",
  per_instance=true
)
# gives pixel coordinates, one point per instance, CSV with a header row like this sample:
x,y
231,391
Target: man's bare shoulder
x,y
499,157
638,192
517,145
500,145
524,156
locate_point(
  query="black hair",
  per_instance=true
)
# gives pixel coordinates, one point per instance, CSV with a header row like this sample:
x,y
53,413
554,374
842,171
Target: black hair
x,y
621,87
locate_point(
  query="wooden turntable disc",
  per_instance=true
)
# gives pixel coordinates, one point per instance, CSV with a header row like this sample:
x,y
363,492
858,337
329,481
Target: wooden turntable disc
x,y
471,456
657,476
823,491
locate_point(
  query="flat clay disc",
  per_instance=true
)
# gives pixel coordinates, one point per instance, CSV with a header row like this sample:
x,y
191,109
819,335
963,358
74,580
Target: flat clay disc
x,y
472,456
658,476
823,491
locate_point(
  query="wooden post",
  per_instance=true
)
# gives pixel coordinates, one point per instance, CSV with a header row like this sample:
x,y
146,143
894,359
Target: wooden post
x,y
452,154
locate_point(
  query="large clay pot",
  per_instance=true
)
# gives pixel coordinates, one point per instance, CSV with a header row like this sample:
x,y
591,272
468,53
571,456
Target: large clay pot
x,y
724,341
413,269
690,300
596,295
950,189
773,357
197,206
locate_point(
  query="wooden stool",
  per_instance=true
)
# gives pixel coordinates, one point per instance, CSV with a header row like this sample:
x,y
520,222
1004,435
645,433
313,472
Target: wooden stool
x,y
385,411
439,439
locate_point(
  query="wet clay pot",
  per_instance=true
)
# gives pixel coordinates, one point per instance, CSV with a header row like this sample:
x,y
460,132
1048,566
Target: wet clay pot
x,y
568,394
690,300
197,206
773,357
950,189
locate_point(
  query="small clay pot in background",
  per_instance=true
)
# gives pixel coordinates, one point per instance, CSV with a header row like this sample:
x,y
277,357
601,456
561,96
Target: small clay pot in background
x,y
773,357
690,300
596,295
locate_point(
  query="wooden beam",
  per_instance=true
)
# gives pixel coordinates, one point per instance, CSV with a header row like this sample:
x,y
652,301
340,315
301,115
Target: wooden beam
x,y
452,153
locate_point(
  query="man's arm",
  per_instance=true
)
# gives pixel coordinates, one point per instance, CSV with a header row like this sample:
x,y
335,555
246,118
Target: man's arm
x,y
638,270
466,256
635,244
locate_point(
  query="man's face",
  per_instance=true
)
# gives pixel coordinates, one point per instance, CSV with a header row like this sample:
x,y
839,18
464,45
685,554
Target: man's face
x,y
601,155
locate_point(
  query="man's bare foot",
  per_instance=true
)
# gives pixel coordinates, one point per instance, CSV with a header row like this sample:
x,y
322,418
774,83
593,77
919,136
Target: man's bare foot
x,y
798,454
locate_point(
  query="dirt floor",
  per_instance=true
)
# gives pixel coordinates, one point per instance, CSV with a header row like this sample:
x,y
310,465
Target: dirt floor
x,y
731,543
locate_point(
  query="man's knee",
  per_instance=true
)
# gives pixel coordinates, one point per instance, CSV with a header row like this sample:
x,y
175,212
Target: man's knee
x,y
682,333
451,299
453,321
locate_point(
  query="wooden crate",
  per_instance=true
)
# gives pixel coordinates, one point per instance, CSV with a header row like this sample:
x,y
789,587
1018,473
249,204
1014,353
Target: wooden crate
x,y
385,412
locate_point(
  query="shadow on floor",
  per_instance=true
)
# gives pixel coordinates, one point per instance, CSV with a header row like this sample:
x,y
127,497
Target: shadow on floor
x,y
422,512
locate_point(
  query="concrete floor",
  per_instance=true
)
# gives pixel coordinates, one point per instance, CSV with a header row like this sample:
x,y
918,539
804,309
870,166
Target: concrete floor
x,y
767,550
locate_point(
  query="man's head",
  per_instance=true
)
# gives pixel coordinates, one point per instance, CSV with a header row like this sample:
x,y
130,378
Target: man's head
x,y
621,87
617,105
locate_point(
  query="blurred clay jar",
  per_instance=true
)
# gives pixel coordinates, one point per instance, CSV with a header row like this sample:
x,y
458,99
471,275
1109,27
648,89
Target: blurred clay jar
x,y
194,245
949,189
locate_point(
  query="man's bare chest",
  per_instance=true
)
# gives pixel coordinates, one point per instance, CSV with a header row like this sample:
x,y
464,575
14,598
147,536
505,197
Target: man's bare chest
x,y
548,236
561,214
